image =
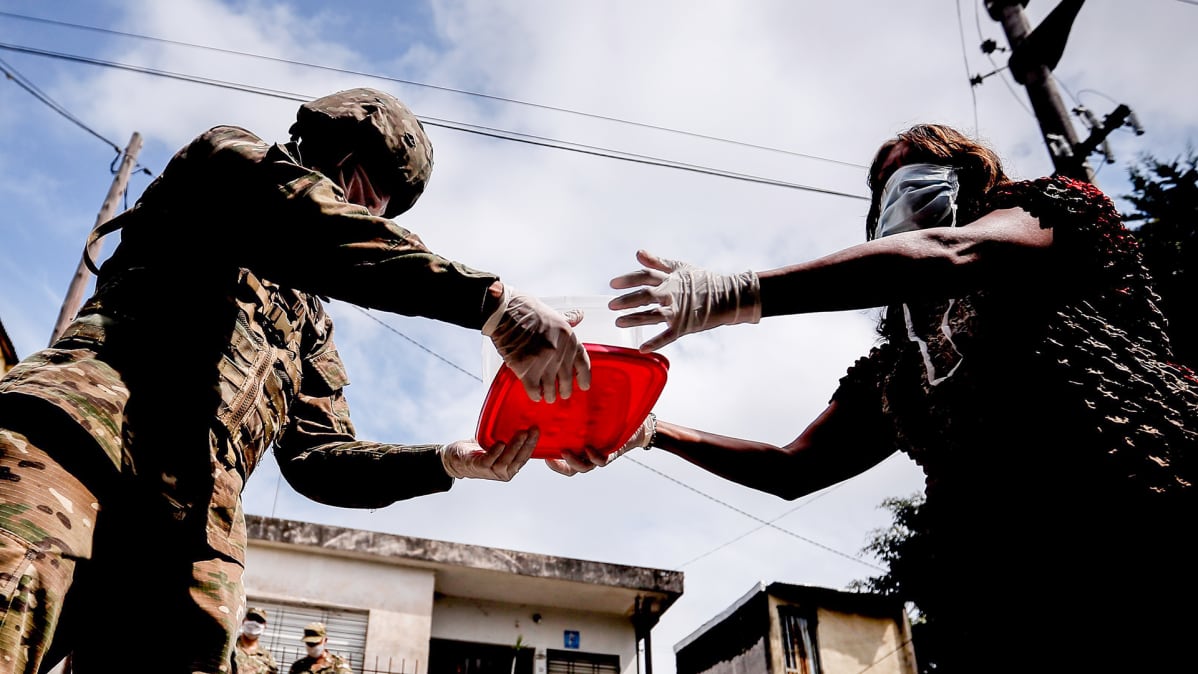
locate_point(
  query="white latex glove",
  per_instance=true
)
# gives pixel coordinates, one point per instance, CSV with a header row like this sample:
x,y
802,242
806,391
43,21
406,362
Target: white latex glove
x,y
465,458
587,459
689,299
540,346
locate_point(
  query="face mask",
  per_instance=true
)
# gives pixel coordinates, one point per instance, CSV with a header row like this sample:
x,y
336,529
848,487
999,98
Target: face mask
x,y
252,628
315,650
918,196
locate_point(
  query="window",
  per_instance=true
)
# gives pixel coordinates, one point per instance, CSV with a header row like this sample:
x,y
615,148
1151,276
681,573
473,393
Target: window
x,y
285,627
799,652
576,662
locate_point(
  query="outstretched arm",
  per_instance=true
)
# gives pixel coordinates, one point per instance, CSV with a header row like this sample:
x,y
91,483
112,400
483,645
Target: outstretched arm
x,y
1007,246
846,439
836,446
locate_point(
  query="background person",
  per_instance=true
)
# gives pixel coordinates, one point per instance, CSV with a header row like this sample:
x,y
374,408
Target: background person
x,y
319,660
249,655
1024,365
206,342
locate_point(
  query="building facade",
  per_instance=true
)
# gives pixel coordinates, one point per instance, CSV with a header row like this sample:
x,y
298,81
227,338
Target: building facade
x,y
796,629
400,604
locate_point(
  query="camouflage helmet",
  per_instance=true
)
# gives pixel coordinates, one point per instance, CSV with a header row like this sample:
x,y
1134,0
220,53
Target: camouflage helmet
x,y
381,131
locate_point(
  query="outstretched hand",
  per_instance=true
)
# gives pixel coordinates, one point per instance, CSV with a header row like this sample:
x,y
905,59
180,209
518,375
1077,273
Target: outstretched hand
x,y
689,299
587,459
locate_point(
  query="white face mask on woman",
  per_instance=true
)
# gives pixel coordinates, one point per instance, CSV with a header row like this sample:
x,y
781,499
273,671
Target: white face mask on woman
x,y
314,650
918,196
252,628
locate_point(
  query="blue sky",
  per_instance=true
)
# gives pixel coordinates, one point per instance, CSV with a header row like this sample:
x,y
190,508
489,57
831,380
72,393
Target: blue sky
x,y
825,82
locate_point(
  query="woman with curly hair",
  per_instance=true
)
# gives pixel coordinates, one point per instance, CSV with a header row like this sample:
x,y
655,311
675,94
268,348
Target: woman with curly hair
x,y
1024,365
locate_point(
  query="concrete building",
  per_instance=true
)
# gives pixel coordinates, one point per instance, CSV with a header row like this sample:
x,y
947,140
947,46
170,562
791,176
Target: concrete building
x,y
797,629
8,355
400,604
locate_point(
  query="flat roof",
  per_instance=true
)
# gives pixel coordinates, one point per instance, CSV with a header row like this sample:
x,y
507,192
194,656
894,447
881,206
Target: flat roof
x,y
488,573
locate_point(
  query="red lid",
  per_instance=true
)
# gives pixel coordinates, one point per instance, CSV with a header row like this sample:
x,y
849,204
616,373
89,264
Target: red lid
x,y
625,384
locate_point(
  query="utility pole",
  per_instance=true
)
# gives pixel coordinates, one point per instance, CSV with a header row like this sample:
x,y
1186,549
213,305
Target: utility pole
x,y
79,281
1032,59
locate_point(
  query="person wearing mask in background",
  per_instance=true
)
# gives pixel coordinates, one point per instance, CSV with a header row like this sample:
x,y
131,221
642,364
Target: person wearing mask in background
x,y
1024,365
250,656
206,342
319,660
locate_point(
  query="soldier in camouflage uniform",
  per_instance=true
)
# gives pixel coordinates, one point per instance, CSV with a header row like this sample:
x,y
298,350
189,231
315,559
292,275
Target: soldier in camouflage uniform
x,y
250,656
124,447
319,660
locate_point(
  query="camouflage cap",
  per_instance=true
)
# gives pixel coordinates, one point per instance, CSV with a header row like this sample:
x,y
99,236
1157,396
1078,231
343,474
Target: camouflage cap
x,y
314,633
258,614
386,135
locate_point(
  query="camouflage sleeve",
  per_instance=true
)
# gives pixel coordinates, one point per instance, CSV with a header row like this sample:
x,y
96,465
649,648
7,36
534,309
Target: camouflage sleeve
x,y
253,204
320,457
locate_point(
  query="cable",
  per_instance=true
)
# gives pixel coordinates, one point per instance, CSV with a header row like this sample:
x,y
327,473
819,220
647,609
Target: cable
x,y
287,95
434,354
965,58
887,655
759,528
428,86
756,518
977,18
456,126
20,80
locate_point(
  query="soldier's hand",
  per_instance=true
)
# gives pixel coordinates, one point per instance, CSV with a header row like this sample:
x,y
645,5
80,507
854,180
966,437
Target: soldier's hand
x,y
539,345
467,459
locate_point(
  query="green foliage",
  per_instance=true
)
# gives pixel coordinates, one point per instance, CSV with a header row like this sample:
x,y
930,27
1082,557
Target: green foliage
x,y
1165,220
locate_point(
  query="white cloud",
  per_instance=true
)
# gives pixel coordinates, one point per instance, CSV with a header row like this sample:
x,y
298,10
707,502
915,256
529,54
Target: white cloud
x,y
832,80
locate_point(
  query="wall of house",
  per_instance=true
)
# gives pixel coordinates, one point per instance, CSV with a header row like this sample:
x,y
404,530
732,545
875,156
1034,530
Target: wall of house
x,y
853,642
737,644
468,619
399,599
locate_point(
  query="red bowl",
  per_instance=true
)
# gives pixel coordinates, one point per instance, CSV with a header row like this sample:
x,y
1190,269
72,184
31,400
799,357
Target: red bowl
x,y
625,384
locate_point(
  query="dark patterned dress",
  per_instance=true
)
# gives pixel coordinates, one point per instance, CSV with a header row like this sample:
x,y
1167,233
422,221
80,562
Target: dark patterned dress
x,y
1059,454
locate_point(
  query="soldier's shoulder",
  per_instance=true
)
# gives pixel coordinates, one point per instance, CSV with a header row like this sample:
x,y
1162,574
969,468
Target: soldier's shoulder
x,y
226,140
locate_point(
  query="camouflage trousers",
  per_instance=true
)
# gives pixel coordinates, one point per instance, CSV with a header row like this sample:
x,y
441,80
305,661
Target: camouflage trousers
x,y
83,577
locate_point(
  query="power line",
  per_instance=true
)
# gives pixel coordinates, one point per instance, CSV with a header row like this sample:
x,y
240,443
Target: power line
x,y
754,530
965,58
346,71
432,353
629,157
20,80
756,518
977,19
456,126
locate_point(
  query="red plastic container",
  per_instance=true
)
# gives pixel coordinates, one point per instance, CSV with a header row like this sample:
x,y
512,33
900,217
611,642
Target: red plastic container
x,y
625,384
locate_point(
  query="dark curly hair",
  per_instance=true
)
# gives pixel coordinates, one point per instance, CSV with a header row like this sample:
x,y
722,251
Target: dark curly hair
x,y
978,167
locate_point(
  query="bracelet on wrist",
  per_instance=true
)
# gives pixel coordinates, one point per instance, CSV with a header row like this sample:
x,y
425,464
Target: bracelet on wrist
x,y
652,431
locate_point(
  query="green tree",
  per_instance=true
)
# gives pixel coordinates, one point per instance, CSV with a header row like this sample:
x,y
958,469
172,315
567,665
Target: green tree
x,y
1165,220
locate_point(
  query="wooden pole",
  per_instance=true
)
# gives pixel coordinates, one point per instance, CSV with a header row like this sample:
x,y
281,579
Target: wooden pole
x,y
79,281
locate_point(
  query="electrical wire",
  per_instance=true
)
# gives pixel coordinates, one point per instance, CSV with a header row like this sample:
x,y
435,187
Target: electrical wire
x,y
754,530
965,58
422,347
465,92
282,94
977,18
756,518
457,126
20,80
